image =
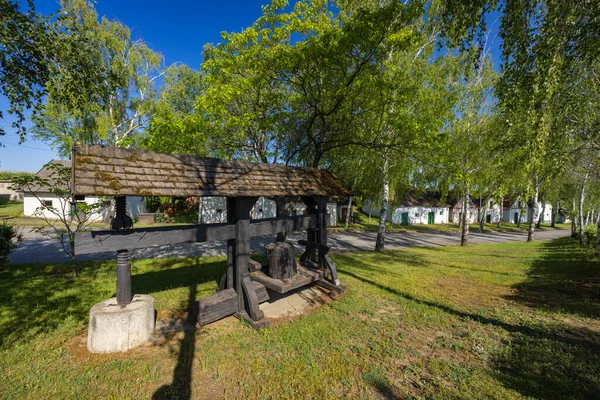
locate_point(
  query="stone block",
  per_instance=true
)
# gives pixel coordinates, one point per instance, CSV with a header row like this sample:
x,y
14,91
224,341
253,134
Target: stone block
x,y
114,328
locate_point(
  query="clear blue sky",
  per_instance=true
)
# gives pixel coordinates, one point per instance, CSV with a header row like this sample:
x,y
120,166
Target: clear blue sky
x,y
176,29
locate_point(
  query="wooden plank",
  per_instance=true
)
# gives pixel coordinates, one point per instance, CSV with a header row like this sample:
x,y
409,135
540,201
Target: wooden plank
x,y
216,306
252,299
261,292
243,205
304,277
147,237
272,226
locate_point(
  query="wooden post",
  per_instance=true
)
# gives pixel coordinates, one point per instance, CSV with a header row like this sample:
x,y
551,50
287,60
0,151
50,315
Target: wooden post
x,y
311,234
231,218
248,308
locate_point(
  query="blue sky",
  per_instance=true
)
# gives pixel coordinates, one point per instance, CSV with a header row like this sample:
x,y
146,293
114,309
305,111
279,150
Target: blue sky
x,y
176,29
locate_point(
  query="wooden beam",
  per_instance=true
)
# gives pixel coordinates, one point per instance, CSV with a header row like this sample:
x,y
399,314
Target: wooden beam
x,y
273,226
148,237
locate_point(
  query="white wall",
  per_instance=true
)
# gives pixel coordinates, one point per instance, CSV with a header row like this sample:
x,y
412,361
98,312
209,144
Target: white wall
x,y
420,215
494,212
7,193
135,206
508,215
214,209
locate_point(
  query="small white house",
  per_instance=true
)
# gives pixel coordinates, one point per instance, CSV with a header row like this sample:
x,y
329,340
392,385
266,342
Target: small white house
x,y
414,208
213,210
518,210
135,204
490,209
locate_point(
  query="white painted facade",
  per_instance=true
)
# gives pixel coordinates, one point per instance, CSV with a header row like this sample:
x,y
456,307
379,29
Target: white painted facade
x,y
515,213
135,206
420,215
214,210
414,214
7,193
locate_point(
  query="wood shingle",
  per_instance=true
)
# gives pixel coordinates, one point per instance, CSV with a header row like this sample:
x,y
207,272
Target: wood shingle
x,y
114,171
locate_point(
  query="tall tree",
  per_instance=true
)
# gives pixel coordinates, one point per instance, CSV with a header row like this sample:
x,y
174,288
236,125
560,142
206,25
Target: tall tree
x,y
119,76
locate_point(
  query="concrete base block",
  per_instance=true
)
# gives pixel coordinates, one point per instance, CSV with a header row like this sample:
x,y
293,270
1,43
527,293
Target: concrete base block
x,y
114,328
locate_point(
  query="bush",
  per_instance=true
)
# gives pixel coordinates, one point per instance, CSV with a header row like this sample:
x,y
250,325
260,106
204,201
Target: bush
x,y
589,236
10,236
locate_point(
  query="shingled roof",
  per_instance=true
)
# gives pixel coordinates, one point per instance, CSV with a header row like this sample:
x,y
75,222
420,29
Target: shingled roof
x,y
47,173
114,171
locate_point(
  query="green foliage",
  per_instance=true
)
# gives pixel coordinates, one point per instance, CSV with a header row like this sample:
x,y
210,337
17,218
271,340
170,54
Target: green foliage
x,y
10,236
64,219
102,84
26,46
7,175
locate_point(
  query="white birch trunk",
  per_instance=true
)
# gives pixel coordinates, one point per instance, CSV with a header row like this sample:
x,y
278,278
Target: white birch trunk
x,y
581,200
464,237
501,212
348,212
541,216
534,211
555,214
380,243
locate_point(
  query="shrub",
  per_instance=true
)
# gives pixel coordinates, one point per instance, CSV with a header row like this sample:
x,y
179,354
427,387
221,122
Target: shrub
x,y
589,236
10,236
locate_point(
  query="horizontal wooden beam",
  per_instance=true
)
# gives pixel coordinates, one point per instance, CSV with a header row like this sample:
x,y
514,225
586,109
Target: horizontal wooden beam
x,y
148,237
163,235
273,226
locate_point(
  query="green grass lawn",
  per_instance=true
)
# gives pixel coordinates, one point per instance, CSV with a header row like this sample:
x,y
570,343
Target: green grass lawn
x,y
497,321
11,208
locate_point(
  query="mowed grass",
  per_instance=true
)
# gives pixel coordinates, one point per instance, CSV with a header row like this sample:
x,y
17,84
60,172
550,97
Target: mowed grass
x,y
501,321
11,208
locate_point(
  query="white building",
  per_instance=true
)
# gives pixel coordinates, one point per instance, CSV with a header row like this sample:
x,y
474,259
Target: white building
x,y
31,203
213,210
490,209
415,208
518,210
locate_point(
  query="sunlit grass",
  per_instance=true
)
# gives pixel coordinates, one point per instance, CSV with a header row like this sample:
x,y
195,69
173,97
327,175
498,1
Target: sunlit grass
x,y
490,321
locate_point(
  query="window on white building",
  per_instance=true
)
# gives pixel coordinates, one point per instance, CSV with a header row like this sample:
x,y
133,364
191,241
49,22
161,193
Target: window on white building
x,y
47,203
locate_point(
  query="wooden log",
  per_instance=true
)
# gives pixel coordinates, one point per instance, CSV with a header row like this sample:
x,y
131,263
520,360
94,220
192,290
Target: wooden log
x,y
243,205
148,237
254,265
313,245
252,299
258,325
261,292
216,306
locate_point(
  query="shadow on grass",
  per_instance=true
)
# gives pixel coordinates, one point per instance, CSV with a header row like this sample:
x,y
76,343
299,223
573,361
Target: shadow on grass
x,y
181,387
37,298
563,280
538,362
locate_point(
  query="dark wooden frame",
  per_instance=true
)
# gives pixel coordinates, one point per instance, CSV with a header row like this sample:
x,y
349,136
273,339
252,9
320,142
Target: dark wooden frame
x,y
243,293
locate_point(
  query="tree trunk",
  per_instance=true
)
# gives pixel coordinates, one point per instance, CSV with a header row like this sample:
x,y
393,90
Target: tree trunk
x,y
380,243
533,211
370,212
555,214
200,209
501,212
587,218
73,255
541,216
464,237
581,200
282,209
482,211
598,236
348,213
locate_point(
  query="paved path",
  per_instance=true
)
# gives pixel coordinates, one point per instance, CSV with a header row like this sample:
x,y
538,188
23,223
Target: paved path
x,y
38,249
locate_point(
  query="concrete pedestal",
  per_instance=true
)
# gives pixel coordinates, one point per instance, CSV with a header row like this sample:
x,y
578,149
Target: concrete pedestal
x,y
114,328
